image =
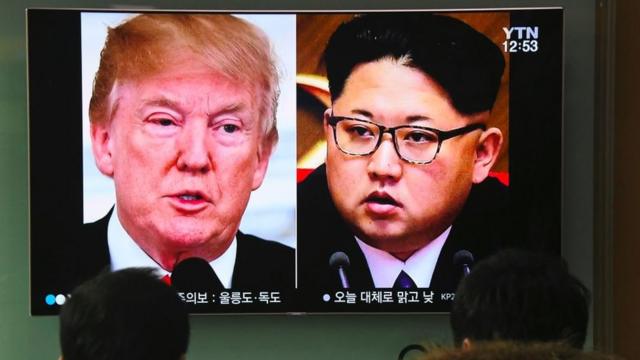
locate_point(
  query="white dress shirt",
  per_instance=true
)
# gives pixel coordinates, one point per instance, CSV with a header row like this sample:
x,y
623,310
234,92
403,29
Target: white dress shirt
x,y
125,253
385,268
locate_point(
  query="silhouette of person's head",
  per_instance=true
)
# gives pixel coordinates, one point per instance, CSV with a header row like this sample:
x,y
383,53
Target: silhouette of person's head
x,y
125,315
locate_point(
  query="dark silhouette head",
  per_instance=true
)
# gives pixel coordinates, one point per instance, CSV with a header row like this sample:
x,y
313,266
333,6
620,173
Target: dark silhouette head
x,y
125,315
521,296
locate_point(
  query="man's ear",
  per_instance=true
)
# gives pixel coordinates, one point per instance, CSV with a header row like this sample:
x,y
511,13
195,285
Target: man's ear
x,y
487,151
328,133
101,144
264,154
466,344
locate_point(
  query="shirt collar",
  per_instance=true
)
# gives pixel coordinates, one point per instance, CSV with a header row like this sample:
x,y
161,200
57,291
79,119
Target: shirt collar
x,y
385,268
125,252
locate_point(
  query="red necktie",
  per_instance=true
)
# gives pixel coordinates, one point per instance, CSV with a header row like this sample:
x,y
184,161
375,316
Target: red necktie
x,y
166,279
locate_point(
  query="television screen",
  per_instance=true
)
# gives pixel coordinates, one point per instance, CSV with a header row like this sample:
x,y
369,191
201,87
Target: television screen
x,y
291,162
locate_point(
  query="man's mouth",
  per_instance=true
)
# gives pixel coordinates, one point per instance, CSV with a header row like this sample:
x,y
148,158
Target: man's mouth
x,y
190,197
381,197
380,203
189,201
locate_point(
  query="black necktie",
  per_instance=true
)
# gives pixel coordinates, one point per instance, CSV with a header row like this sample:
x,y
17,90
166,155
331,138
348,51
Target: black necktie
x,y
404,281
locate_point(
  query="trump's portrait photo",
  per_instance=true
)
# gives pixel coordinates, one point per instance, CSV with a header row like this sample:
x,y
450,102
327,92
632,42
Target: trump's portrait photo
x,y
188,116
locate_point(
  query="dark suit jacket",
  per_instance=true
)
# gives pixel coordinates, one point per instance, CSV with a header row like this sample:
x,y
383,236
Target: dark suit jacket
x,y
260,264
480,229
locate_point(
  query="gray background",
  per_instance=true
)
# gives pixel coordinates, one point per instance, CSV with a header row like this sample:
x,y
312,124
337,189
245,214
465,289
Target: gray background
x,y
278,337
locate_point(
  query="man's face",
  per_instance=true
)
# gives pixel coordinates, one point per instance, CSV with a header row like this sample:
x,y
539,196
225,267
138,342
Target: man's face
x,y
184,150
391,204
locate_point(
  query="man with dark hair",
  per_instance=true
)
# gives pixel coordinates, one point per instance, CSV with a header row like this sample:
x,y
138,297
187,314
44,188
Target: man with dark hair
x,y
405,184
125,315
520,296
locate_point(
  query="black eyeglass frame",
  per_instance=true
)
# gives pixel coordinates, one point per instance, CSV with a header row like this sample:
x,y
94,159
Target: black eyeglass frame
x,y
442,135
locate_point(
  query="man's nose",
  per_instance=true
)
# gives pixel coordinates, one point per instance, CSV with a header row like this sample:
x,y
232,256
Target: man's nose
x,y
385,162
193,154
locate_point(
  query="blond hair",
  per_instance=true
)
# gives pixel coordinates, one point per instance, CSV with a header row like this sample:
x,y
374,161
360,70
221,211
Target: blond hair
x,y
142,46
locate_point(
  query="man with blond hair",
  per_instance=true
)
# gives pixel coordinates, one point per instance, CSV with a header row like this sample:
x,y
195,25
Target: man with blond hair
x,y
183,120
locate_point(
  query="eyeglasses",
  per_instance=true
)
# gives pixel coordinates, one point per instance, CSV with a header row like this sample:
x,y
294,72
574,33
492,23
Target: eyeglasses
x,y
413,144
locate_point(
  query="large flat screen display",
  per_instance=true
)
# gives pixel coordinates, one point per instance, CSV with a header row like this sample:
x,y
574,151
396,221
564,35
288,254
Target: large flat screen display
x,y
291,162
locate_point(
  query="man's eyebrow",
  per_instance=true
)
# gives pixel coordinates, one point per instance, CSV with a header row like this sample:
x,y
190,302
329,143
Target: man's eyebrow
x,y
157,102
363,113
414,118
162,102
410,118
231,108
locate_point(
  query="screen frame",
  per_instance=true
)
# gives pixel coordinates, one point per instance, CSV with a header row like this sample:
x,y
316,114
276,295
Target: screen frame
x,y
71,160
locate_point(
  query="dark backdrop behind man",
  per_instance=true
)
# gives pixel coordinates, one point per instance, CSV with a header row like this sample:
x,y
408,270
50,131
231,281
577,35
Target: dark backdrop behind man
x,y
183,119
405,184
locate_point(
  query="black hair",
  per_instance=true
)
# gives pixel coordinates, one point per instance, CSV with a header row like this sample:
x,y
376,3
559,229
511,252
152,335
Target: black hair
x,y
521,296
125,315
462,60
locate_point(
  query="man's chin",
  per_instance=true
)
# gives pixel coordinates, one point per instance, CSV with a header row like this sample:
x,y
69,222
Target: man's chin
x,y
388,241
182,238
188,233
184,247
193,238
186,243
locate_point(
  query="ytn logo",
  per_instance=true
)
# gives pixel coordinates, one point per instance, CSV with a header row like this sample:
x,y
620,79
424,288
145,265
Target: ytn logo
x,y
521,32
